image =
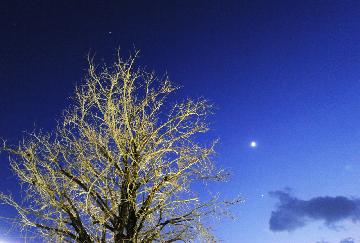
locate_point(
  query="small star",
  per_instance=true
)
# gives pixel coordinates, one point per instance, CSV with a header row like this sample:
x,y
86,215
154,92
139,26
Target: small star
x,y
110,32
253,144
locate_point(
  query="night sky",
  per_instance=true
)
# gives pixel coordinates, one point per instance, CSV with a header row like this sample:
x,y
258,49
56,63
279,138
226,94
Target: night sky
x,y
285,74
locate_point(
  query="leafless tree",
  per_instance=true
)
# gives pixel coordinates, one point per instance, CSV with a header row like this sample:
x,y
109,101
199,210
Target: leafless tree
x,y
120,165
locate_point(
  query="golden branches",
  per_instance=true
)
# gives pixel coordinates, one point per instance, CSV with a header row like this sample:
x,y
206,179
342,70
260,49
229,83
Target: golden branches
x,y
120,165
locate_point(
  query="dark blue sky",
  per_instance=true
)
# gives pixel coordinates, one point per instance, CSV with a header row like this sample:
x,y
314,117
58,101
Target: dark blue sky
x,y
283,73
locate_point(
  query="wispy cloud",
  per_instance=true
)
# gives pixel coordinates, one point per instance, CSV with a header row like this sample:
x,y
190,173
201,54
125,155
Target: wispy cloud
x,y
292,213
348,240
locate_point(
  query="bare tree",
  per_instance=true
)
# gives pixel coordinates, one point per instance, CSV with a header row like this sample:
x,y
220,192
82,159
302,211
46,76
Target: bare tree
x,y
119,166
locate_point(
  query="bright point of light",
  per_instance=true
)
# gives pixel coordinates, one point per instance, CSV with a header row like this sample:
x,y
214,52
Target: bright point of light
x,y
253,144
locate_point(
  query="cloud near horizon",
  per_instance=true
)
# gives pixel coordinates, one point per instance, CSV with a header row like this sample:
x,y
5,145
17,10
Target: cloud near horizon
x,y
348,240
293,213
